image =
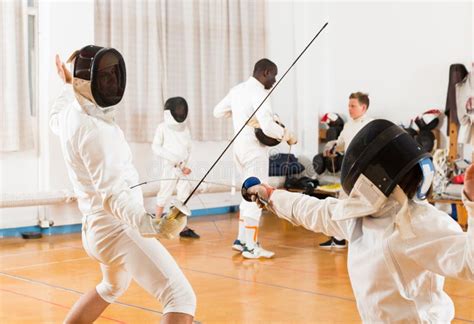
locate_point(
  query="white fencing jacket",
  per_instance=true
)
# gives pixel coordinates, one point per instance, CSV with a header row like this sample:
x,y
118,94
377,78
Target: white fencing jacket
x,y
240,103
394,278
98,161
351,128
173,144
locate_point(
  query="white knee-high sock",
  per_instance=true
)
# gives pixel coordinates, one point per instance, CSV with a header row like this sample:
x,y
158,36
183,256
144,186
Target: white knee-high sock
x,y
241,235
251,232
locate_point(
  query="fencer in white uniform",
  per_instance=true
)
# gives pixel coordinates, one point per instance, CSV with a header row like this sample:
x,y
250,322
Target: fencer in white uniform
x,y
251,156
401,249
358,105
115,225
172,143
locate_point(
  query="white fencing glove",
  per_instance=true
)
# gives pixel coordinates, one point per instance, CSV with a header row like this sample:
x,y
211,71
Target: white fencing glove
x,y
164,227
330,148
289,137
168,226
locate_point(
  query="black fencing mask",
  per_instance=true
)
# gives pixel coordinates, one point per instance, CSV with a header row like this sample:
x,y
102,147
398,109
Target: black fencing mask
x,y
99,75
178,108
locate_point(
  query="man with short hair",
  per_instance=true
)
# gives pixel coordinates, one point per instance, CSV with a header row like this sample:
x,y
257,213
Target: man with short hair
x,y
250,155
358,106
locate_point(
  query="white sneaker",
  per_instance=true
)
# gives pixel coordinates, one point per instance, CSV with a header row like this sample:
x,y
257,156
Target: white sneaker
x,y
238,246
257,252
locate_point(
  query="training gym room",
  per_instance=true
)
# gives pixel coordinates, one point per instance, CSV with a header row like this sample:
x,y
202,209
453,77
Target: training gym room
x,y
236,161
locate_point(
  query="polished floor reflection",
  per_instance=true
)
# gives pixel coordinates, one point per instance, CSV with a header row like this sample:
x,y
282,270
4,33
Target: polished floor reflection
x,y
41,279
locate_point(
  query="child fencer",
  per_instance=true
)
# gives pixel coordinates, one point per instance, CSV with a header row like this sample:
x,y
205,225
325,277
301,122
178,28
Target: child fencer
x,y
401,247
172,143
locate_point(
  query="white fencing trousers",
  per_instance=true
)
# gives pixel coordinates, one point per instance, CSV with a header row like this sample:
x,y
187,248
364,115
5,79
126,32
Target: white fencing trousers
x,y
251,161
124,254
181,184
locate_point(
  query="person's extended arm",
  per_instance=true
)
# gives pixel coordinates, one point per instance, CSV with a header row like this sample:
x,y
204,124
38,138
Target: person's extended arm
x,y
310,212
65,98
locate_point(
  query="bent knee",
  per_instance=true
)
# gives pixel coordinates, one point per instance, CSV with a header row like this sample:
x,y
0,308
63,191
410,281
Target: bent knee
x,y
178,297
110,292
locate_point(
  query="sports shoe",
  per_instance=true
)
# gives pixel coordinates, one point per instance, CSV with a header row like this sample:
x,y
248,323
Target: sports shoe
x,y
339,244
333,243
189,233
257,252
238,246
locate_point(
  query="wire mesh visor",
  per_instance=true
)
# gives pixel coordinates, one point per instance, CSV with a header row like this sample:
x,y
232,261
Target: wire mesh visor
x,y
105,69
384,153
178,108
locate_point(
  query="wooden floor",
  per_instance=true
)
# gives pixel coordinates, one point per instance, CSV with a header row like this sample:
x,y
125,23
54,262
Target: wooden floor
x,y
41,279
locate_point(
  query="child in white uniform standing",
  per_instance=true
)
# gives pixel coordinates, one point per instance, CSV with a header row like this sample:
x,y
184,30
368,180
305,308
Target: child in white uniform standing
x,y
172,143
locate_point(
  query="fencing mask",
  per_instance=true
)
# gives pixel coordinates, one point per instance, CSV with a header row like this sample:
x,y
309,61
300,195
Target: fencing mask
x,y
377,159
176,110
267,140
261,136
99,75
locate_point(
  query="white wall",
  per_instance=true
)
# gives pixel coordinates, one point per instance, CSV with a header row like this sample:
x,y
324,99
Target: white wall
x,y
19,173
398,52
300,96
